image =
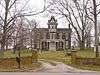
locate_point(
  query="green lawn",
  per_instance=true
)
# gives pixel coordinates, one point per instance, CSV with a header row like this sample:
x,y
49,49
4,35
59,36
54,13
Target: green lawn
x,y
50,54
86,53
10,54
60,55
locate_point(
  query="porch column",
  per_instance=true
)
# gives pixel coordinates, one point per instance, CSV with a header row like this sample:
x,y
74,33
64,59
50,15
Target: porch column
x,y
48,45
64,44
56,46
40,45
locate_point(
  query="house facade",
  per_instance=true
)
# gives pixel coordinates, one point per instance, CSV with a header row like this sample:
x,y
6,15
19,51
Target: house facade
x,y
53,38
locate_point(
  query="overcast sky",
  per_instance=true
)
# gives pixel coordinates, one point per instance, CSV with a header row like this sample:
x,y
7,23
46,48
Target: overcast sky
x,y
37,5
42,18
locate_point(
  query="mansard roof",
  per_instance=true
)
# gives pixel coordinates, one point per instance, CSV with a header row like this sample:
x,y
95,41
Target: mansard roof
x,y
58,29
46,29
63,29
43,30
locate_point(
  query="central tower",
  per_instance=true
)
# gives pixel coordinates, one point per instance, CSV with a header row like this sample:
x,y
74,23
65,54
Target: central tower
x,y
52,26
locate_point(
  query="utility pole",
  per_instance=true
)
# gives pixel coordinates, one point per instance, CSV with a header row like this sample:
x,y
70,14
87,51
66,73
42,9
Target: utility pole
x,y
95,27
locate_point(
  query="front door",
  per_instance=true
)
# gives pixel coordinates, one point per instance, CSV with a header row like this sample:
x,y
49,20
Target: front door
x,y
52,46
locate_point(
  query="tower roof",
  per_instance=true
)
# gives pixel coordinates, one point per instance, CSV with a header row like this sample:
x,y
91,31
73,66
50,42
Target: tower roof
x,y
52,21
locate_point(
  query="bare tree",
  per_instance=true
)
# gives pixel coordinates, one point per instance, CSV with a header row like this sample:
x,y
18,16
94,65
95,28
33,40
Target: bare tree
x,y
75,13
7,18
10,11
95,26
93,12
88,35
32,27
20,33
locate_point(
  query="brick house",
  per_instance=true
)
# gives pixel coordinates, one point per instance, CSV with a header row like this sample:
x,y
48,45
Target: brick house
x,y
53,38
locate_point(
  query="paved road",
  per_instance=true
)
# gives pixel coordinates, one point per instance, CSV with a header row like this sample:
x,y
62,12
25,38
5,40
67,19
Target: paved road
x,y
32,73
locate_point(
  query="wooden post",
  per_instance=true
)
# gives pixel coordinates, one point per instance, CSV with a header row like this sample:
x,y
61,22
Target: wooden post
x,y
73,56
34,56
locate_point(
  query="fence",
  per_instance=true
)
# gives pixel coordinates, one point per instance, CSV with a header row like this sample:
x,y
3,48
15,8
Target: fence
x,y
11,62
86,59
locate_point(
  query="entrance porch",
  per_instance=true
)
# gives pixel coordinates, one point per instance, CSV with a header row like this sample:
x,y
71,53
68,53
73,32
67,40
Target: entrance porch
x,y
53,46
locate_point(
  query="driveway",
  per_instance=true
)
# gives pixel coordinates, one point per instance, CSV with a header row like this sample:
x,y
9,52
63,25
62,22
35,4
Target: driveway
x,y
59,68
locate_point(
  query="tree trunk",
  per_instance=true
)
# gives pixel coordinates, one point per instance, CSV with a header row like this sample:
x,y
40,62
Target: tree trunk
x,y
2,46
82,45
95,26
88,42
6,45
5,26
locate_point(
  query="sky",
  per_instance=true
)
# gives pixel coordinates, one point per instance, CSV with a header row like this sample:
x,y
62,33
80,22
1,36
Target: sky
x,y
42,19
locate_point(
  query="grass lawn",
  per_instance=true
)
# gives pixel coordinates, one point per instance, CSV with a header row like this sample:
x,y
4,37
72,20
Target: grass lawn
x,y
56,56
86,53
23,53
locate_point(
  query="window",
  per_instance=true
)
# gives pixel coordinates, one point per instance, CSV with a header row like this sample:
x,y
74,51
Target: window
x,y
52,26
63,36
52,35
57,35
44,45
47,36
